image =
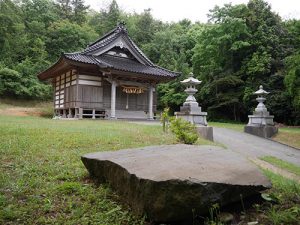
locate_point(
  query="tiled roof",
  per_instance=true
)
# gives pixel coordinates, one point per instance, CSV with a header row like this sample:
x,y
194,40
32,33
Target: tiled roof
x,y
120,63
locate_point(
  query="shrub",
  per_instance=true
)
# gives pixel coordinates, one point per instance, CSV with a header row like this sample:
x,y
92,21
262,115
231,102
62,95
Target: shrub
x,y
165,118
185,131
10,82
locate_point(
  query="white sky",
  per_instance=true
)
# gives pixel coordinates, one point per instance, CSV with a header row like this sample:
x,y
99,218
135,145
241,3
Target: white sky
x,y
195,10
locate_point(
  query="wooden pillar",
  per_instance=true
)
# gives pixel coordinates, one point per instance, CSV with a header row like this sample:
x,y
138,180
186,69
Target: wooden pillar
x,y
80,113
150,103
113,100
94,117
70,113
64,113
76,113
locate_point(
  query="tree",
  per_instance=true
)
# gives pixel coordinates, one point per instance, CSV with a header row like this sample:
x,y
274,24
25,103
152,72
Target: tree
x,y
79,11
40,11
217,60
12,33
292,69
243,49
170,48
64,8
64,36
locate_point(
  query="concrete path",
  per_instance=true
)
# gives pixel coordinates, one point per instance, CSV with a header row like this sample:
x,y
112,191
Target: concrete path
x,y
255,147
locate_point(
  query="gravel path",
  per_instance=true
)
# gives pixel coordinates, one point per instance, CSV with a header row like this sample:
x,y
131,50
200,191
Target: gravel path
x,y
255,147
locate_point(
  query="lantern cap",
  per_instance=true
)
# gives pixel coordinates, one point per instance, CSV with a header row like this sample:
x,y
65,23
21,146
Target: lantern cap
x,y
191,80
261,91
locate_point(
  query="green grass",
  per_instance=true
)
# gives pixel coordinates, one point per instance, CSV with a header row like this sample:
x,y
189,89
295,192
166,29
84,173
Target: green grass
x,y
234,126
287,209
281,205
282,164
43,180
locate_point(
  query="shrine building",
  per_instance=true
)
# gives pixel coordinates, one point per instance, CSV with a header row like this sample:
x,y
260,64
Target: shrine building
x,y
111,78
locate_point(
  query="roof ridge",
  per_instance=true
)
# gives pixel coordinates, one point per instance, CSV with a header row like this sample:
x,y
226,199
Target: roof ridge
x,y
120,28
102,37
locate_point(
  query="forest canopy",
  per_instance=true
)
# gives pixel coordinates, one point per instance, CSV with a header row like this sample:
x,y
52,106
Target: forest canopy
x,y
239,48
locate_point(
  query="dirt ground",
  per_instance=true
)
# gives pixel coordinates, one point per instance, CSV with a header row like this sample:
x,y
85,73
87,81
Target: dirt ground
x,y
21,111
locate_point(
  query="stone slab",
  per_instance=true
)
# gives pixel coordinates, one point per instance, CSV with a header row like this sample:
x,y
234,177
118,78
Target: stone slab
x,y
261,131
206,132
172,183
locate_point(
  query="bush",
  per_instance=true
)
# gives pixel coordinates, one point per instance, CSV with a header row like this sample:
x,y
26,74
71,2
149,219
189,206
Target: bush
x,y
185,131
10,82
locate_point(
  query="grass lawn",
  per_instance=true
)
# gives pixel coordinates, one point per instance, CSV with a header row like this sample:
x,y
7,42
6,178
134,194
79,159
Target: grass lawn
x,y
43,180
289,136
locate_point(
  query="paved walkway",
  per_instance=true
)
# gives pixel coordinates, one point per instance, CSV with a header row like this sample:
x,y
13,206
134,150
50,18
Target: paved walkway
x,y
255,147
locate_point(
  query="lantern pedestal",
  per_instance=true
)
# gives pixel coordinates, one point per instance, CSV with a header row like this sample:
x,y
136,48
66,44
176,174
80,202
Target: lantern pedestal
x,y
264,131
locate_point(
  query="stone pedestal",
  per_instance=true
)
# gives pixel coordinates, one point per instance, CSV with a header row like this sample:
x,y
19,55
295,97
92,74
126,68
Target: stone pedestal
x,y
206,132
192,113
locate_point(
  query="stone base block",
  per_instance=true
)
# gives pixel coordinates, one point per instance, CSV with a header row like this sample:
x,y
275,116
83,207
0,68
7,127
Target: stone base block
x,y
261,131
206,132
197,119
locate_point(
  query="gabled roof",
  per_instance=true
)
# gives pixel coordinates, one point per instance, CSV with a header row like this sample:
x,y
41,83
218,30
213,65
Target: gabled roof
x,y
96,54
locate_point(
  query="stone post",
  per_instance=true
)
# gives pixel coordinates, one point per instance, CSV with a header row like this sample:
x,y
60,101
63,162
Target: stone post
x,y
113,100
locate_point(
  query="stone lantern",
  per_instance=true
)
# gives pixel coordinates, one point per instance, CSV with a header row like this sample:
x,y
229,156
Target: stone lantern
x,y
190,84
191,111
261,122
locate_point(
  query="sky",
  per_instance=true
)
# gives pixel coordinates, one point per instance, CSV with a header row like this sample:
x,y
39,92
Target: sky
x,y
194,10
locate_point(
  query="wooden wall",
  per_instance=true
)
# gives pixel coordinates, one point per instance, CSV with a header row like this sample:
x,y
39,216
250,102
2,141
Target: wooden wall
x,y
62,84
90,92
73,90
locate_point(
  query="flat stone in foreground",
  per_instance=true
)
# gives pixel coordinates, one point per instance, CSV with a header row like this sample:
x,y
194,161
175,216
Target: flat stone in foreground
x,y
167,183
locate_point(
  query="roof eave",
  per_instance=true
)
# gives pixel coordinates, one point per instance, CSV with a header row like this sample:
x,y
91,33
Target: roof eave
x,y
54,69
159,78
43,75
